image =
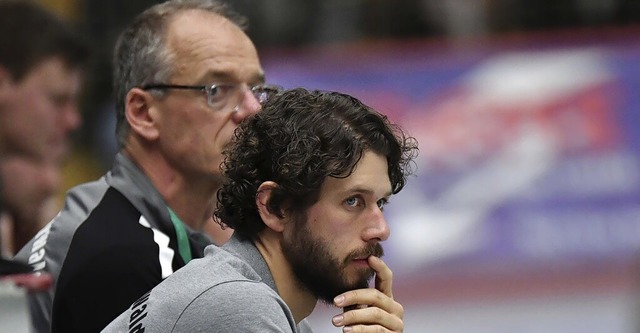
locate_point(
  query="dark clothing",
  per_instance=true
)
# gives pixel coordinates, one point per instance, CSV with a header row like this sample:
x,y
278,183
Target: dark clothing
x,y
112,242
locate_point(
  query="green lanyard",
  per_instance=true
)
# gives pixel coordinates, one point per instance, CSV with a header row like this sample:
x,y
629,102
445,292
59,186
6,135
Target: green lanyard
x,y
183,240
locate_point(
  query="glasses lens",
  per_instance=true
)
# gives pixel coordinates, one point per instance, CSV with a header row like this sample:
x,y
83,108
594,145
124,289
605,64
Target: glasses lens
x,y
223,96
263,92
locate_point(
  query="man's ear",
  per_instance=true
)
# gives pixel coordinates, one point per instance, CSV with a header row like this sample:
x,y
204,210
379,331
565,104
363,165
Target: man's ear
x,y
273,220
139,113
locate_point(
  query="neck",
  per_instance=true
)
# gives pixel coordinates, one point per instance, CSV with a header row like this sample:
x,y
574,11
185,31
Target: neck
x,y
300,300
191,198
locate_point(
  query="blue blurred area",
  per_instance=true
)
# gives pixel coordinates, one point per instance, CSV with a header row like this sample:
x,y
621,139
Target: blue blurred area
x,y
524,211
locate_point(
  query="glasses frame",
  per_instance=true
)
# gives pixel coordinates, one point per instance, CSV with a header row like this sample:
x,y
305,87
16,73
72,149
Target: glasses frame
x,y
261,91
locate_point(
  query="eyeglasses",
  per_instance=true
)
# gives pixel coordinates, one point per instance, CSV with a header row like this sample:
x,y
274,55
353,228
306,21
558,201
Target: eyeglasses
x,y
224,96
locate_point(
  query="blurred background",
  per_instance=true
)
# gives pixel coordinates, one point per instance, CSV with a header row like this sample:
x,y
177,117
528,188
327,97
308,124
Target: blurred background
x,y
524,215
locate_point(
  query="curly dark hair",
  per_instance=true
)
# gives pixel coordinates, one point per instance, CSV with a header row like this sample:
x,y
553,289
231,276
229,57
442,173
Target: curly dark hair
x,y
300,138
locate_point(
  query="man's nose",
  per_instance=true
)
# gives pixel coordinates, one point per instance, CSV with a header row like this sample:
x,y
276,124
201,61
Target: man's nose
x,y
377,227
70,117
247,107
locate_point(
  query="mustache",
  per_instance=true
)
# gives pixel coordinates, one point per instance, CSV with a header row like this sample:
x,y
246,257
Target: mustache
x,y
371,249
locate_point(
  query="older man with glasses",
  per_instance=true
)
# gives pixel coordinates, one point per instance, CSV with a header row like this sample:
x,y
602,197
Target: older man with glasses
x,y
186,75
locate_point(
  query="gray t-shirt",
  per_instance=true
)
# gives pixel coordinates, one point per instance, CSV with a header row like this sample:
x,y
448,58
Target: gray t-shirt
x,y
229,290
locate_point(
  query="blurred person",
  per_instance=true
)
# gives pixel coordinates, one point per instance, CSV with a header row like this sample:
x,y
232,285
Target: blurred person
x,y
26,187
23,187
41,65
308,179
185,75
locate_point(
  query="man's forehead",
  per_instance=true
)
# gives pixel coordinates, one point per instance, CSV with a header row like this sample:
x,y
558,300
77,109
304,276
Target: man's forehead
x,y
196,21
372,184
381,188
55,74
212,49
232,75
369,176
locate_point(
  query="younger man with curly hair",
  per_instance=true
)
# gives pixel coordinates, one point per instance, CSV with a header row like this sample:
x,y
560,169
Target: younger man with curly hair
x,y
306,183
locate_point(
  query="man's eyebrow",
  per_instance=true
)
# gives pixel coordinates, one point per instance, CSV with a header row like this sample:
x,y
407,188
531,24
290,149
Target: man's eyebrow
x,y
365,190
216,76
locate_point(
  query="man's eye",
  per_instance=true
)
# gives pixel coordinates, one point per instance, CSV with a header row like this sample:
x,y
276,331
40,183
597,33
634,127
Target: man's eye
x,y
219,92
353,201
221,89
215,92
381,203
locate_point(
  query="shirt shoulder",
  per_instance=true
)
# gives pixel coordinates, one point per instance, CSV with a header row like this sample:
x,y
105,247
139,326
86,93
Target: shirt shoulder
x,y
240,306
116,249
47,249
218,293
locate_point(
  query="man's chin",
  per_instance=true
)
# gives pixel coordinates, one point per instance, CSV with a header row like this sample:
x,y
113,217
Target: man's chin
x,y
359,279
58,154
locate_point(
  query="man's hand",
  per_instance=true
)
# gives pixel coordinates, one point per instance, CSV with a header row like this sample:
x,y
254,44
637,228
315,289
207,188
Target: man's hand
x,y
27,183
375,309
27,187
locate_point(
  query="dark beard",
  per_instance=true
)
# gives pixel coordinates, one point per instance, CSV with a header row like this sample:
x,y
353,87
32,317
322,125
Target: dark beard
x,y
318,271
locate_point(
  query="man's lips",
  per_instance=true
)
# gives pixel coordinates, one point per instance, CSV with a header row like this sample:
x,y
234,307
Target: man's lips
x,y
361,261
361,257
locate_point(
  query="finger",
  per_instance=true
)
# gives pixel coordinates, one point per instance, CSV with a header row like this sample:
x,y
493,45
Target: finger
x,y
384,275
369,317
353,299
371,298
353,307
365,329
